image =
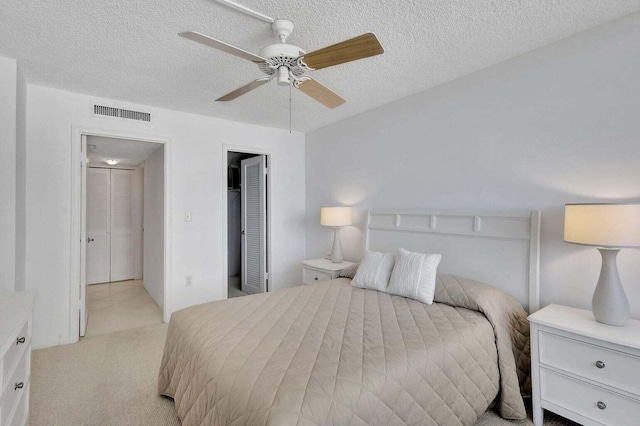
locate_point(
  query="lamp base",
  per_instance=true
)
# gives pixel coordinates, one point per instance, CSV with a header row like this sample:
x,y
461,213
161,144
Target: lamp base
x,y
336,250
609,304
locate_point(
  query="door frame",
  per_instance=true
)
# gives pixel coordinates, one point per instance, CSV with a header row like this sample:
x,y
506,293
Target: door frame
x,y
226,148
78,223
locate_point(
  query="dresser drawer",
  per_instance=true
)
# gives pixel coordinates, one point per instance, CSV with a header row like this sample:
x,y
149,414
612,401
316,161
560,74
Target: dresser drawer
x,y
21,340
593,362
589,401
310,276
15,387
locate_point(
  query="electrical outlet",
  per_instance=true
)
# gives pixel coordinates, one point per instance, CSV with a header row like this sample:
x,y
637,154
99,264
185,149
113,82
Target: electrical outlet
x,y
187,281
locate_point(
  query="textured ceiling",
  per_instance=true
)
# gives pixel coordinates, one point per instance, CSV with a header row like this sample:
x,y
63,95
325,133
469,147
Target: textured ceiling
x,y
129,153
129,50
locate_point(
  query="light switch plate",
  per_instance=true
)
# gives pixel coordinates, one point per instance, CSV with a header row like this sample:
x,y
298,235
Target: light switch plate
x,y
187,216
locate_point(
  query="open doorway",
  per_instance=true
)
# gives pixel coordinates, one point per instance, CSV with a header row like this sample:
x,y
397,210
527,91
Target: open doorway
x,y
247,223
123,223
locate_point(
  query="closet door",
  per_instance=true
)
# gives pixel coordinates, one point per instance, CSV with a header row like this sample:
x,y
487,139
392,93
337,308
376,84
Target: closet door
x,y
98,224
121,225
254,225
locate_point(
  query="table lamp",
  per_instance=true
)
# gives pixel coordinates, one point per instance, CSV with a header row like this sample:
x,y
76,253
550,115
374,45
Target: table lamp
x,y
609,227
336,217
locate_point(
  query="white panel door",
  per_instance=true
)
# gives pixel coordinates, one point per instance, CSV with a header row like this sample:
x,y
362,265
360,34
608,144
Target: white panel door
x,y
121,225
254,224
98,253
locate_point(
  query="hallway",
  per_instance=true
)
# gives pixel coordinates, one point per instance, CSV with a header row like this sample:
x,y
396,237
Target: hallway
x,y
119,306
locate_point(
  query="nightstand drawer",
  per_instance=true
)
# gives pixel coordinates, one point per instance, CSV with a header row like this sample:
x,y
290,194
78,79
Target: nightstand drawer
x,y
310,276
593,362
590,401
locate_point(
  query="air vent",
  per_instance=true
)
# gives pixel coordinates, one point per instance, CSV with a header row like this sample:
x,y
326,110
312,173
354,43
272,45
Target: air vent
x,y
126,114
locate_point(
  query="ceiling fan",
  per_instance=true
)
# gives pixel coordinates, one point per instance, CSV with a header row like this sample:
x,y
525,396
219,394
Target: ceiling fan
x,y
290,64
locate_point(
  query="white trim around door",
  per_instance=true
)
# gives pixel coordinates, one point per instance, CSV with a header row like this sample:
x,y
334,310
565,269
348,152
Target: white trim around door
x,y
76,284
225,220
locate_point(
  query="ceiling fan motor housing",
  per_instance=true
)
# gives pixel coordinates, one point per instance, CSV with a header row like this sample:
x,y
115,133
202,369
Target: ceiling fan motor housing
x,y
281,58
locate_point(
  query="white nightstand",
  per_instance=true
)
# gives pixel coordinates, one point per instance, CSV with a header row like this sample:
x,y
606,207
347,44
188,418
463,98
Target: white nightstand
x,y
317,270
584,370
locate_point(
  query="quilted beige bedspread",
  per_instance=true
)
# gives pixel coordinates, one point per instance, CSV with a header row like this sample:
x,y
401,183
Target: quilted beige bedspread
x,y
331,354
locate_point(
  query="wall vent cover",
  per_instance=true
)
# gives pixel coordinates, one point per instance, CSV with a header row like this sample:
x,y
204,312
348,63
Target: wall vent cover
x,y
126,114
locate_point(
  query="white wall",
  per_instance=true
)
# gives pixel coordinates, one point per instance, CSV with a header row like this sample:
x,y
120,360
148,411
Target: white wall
x,y
560,124
21,181
197,181
8,94
154,225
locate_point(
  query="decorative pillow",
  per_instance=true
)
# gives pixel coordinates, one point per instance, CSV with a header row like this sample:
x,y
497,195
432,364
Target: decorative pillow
x,y
374,271
349,271
414,275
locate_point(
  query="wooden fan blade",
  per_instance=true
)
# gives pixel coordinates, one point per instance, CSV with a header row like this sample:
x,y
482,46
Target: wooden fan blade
x,y
221,45
353,49
320,93
244,89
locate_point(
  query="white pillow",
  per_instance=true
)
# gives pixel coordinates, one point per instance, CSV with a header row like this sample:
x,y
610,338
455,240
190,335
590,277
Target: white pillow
x,y
414,275
374,271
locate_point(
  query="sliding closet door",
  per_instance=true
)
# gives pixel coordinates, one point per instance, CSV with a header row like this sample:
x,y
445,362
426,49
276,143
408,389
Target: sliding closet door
x,y
98,224
254,225
121,225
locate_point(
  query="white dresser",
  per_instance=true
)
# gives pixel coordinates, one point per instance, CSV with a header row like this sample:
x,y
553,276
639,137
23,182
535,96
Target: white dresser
x,y
318,270
584,370
15,356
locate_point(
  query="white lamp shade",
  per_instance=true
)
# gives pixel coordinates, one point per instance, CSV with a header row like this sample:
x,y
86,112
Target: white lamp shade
x,y
602,225
335,216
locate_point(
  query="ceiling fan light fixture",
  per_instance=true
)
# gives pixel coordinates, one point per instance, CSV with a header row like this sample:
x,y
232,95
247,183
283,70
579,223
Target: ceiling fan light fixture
x,y
283,76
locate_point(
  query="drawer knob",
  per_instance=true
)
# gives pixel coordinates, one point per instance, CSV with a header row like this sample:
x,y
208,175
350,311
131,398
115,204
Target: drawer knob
x,y
20,340
316,278
18,386
601,405
599,364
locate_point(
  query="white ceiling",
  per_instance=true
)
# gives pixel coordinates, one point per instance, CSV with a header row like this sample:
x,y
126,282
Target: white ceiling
x,y
129,49
129,153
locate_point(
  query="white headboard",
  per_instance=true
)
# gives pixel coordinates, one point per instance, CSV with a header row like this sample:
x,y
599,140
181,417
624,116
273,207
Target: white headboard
x,y
500,248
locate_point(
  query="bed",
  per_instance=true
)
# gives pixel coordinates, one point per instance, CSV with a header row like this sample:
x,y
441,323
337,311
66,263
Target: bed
x,y
330,353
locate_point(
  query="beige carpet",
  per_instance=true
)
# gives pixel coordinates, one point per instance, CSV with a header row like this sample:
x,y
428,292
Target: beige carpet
x,y
111,380
120,306
103,380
